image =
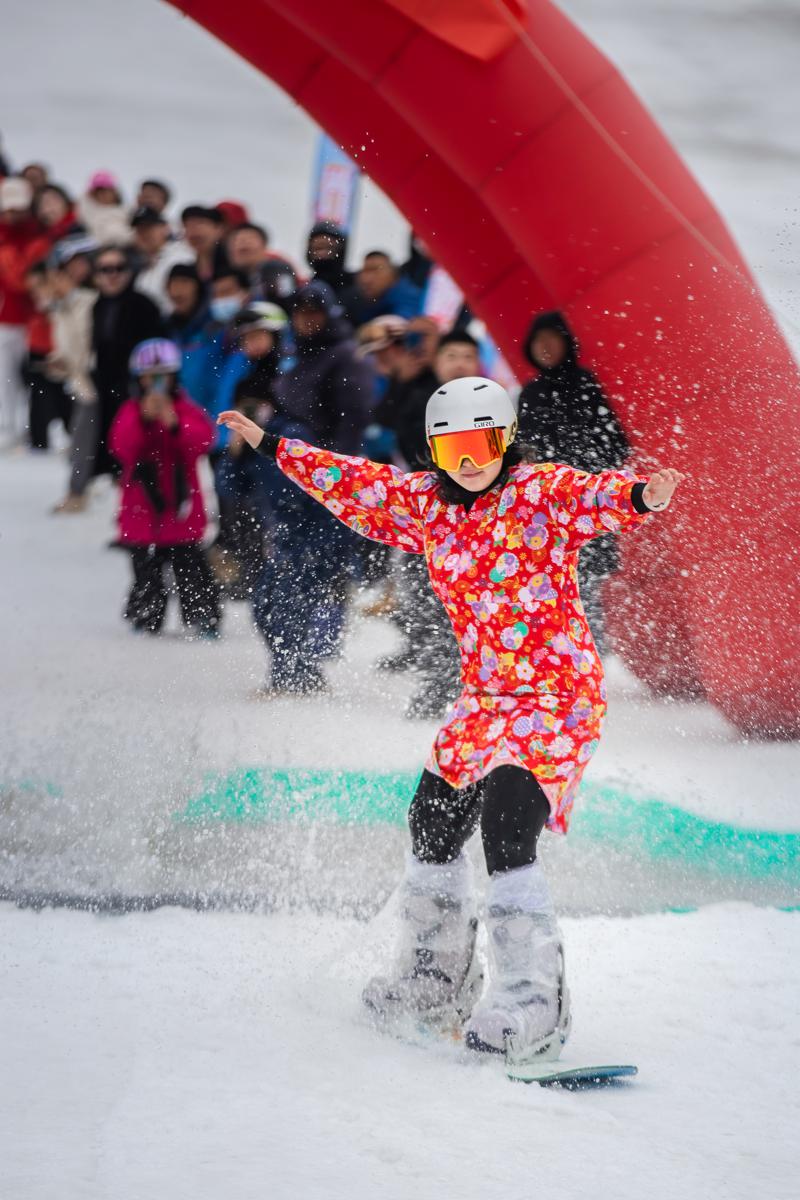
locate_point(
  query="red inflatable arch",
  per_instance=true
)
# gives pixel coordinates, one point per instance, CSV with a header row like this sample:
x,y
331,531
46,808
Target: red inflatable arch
x,y
523,158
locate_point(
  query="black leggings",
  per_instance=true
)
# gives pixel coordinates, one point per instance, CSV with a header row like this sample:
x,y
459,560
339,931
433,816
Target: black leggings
x,y
508,802
197,589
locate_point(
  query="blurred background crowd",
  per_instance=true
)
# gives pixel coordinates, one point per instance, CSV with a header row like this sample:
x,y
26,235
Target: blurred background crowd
x,y
126,327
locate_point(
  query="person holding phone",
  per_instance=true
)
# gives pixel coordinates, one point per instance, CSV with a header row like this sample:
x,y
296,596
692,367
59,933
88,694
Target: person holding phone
x,y
158,436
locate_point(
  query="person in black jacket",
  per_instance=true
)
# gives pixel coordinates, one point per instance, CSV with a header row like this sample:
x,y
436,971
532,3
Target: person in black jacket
x,y
565,417
121,319
329,389
325,254
563,413
330,392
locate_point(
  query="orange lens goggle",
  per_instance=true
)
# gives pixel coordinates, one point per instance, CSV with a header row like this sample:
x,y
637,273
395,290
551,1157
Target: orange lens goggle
x,y
480,446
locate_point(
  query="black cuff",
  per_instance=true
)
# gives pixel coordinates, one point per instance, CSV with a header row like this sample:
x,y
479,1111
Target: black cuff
x,y
268,446
637,498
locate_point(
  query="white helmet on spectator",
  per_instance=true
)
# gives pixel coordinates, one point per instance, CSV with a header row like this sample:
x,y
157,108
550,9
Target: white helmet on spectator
x,y
472,418
260,314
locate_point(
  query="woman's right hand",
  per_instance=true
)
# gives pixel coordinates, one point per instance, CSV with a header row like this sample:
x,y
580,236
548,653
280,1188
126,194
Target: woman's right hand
x,y
237,422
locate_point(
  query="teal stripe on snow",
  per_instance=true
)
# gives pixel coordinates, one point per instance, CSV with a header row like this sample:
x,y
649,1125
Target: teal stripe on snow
x,y
640,827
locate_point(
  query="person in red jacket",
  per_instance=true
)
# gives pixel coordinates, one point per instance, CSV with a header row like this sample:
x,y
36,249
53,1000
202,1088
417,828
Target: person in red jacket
x,y
22,243
501,537
158,435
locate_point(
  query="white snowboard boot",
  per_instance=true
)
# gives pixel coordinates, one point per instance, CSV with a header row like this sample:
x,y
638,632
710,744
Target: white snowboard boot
x,y
525,1011
436,977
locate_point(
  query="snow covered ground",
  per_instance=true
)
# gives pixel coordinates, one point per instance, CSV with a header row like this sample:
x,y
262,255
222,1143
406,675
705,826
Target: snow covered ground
x,y
185,1054
194,1057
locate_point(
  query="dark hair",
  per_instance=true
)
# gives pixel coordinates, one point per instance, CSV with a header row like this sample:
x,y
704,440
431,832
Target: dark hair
x,y
52,187
184,271
379,254
204,212
253,228
327,229
253,387
457,337
226,272
112,248
146,217
162,187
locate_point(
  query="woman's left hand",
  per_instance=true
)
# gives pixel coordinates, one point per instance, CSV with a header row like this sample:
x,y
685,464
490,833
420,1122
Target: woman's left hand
x,y
237,422
659,488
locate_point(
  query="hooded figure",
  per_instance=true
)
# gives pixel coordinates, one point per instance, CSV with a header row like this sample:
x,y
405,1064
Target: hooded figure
x,y
329,389
563,415
565,418
325,254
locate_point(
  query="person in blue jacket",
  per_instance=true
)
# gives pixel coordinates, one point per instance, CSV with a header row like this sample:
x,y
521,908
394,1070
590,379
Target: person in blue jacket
x,y
381,291
254,342
192,328
294,584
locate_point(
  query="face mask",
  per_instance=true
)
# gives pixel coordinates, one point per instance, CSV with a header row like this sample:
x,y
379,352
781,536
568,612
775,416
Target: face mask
x,y
225,308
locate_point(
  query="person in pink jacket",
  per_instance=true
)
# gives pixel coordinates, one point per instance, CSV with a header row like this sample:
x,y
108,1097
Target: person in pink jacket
x,y
158,435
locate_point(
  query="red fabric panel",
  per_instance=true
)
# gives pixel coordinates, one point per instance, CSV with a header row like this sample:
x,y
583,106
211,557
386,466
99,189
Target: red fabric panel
x,y
480,119
474,27
260,36
575,226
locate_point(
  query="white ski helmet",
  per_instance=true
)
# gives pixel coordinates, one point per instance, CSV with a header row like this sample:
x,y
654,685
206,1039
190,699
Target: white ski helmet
x,y
471,403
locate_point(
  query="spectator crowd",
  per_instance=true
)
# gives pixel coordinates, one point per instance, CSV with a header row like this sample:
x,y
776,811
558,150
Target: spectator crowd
x,y
132,327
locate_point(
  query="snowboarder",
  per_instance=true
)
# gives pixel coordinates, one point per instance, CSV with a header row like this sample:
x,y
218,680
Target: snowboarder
x,y
501,538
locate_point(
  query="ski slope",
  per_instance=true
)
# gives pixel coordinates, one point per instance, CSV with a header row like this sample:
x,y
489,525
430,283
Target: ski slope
x,y
198,1056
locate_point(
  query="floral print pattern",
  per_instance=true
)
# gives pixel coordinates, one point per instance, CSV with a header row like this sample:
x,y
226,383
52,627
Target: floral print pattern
x,y
533,690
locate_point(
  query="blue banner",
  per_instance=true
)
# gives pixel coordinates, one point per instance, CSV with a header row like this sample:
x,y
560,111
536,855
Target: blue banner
x,y
335,185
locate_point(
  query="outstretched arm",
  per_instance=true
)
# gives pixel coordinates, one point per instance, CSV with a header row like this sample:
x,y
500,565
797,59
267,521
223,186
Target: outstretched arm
x,y
587,506
373,499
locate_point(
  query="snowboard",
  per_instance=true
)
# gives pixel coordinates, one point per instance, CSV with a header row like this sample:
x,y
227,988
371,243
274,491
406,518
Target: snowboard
x,y
555,1073
546,1072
